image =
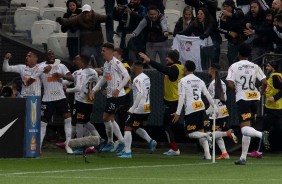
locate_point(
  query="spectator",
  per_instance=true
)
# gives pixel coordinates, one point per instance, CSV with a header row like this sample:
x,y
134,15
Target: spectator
x,y
109,7
204,26
231,23
155,27
210,5
72,40
129,16
91,36
278,36
277,6
254,19
185,21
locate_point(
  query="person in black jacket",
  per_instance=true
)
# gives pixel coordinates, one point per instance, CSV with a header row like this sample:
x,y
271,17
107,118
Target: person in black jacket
x,y
211,5
231,23
72,40
204,26
184,21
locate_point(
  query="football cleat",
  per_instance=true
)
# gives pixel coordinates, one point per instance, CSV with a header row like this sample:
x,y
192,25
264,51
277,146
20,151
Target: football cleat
x,y
126,155
68,149
172,153
118,147
152,146
223,156
255,154
240,162
107,147
101,145
61,145
90,150
232,136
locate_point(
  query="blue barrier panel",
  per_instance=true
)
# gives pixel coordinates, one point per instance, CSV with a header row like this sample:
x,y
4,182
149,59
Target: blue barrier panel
x,y
32,126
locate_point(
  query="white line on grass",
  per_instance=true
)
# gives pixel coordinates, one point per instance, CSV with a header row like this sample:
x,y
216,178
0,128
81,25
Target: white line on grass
x,y
165,179
103,169
114,168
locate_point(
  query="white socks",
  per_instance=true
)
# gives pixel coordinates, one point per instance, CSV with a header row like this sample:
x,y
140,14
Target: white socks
x,y
127,141
143,134
219,134
221,145
92,129
117,131
68,128
251,132
204,143
197,135
42,132
109,131
245,146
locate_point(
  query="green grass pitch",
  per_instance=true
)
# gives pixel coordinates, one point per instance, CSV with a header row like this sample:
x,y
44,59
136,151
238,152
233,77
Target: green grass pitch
x,y
55,166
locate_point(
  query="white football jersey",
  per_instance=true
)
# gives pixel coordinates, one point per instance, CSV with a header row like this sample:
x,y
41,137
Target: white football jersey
x,y
26,72
112,72
192,88
244,74
222,109
85,80
74,75
141,85
53,87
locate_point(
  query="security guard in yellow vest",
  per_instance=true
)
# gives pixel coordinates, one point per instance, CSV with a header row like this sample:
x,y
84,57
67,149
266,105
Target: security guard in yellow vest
x,y
273,102
173,72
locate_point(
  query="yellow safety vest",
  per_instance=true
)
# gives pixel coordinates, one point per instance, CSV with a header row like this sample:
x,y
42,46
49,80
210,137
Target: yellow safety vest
x,y
171,87
271,91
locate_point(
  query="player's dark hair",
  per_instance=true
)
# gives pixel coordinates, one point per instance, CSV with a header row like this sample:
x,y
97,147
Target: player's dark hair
x,y
118,50
245,50
190,66
138,63
109,46
85,59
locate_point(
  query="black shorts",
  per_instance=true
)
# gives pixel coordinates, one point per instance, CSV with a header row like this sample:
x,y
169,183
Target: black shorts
x,y
247,110
112,104
136,120
220,124
194,121
48,109
83,112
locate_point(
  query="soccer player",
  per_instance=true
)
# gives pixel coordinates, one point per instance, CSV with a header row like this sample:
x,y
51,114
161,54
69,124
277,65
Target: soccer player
x,y
173,72
140,110
85,78
26,71
222,115
190,89
241,78
116,76
273,103
54,99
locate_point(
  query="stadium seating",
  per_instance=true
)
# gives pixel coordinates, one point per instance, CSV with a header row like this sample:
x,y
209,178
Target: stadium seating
x,y
53,13
18,2
117,40
172,17
57,43
37,3
97,5
175,5
41,30
25,17
60,3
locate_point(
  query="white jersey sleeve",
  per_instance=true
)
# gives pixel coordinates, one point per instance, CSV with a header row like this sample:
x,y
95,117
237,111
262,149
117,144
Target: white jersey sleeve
x,y
141,86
